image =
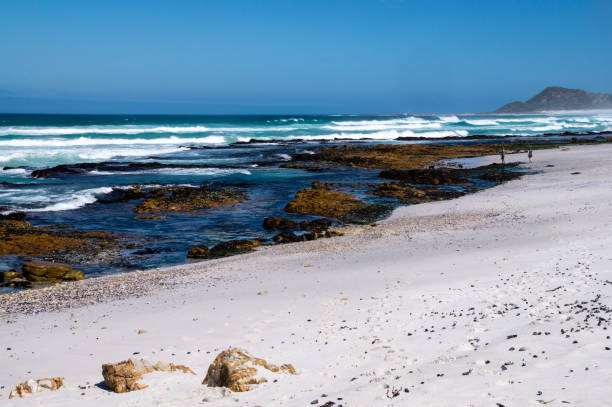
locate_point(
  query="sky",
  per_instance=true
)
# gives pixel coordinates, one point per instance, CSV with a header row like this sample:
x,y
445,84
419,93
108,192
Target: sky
x,y
334,56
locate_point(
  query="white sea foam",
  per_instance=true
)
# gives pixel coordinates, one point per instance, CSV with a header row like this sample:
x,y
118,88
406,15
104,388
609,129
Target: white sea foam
x,y
449,119
128,130
386,135
482,122
177,171
74,201
283,156
87,141
383,126
56,155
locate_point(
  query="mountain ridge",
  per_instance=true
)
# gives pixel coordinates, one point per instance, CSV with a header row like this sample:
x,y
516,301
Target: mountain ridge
x,y
559,98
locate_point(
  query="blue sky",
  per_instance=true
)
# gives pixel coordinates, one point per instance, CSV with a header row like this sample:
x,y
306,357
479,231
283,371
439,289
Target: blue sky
x,y
296,57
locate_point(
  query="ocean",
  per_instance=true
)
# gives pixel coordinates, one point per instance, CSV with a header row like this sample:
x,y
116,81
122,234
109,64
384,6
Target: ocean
x,y
225,150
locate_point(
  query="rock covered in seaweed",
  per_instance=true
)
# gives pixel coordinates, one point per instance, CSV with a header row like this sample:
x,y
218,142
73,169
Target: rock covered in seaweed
x,y
433,176
323,202
36,385
122,377
239,371
406,193
187,199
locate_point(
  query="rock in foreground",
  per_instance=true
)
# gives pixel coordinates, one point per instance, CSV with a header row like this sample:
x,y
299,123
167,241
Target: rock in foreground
x,y
47,271
34,386
123,376
239,371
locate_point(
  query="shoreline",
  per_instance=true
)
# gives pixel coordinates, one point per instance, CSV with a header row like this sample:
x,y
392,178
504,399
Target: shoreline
x,y
431,293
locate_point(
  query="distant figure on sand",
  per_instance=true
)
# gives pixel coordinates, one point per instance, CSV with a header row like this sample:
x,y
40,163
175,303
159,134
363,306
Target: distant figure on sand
x,y
503,156
530,155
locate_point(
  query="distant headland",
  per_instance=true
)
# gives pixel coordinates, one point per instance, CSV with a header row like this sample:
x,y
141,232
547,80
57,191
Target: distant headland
x,y
558,98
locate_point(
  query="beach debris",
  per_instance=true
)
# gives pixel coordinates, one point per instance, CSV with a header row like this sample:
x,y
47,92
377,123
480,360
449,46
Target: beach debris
x,y
48,271
34,386
123,376
239,371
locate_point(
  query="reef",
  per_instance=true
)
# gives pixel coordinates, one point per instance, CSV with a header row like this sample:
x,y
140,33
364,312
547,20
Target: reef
x,y
189,199
386,156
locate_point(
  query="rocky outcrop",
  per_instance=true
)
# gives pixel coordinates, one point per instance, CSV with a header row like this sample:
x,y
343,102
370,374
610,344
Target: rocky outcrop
x,y
8,275
406,193
290,237
389,156
34,386
188,199
232,247
198,252
13,279
223,249
47,271
239,371
323,202
115,166
276,223
123,376
19,237
423,176
316,225
336,204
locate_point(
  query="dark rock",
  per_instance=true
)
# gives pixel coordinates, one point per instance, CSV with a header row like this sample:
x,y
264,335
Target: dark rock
x,y
198,252
19,216
286,237
439,176
277,223
366,214
114,166
232,247
323,202
406,193
187,199
316,225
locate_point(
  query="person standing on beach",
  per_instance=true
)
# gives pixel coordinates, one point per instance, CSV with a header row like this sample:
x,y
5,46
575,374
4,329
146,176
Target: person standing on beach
x,y
530,155
503,156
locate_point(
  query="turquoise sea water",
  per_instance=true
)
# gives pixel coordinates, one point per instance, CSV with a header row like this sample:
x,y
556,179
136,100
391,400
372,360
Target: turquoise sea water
x,y
29,142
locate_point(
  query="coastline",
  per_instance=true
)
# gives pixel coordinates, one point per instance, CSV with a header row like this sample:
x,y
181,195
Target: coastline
x,y
417,272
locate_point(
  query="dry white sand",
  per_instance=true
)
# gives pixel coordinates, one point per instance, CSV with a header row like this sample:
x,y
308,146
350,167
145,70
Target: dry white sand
x,y
497,298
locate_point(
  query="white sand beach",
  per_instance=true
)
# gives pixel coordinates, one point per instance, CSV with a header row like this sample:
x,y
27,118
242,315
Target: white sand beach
x,y
498,298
